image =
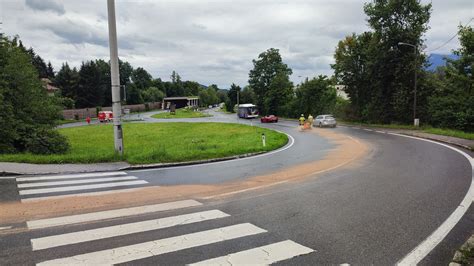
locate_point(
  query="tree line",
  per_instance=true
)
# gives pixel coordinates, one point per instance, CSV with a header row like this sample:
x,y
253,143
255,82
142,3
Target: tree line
x,y
270,88
90,84
378,69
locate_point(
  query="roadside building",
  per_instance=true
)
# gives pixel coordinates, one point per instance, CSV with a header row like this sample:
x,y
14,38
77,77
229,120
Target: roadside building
x,y
340,91
50,89
180,102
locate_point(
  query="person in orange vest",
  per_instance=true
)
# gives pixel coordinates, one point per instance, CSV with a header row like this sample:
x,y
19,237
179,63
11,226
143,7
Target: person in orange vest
x,y
302,119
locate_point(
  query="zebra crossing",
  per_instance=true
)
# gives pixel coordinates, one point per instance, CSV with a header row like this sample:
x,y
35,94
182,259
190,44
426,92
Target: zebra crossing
x,y
34,188
220,233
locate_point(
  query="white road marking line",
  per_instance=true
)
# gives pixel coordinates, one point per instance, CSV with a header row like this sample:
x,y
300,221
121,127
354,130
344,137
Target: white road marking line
x,y
124,229
95,216
7,177
291,143
85,194
83,187
244,190
263,255
425,247
80,181
54,177
160,246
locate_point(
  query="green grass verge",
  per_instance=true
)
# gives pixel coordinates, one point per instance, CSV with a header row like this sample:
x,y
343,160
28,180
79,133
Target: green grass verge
x,y
158,143
450,133
426,129
181,113
467,255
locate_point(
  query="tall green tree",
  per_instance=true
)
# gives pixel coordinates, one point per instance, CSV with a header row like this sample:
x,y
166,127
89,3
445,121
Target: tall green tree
x,y
191,88
50,71
175,87
452,103
67,80
90,92
378,73
28,115
315,96
266,68
152,94
278,95
141,78
247,95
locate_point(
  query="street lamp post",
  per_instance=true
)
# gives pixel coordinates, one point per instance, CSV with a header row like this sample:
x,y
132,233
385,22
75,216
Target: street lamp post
x,y
115,78
416,122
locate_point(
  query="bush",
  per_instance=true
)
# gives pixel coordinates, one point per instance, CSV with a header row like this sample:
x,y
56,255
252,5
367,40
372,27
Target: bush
x,y
97,110
47,141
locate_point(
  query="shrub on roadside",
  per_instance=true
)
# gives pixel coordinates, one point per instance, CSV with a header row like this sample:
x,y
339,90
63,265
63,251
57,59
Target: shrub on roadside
x,y
47,141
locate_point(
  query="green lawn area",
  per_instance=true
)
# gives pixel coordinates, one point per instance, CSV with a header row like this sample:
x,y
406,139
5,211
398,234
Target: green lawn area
x,y
181,113
426,129
450,132
158,143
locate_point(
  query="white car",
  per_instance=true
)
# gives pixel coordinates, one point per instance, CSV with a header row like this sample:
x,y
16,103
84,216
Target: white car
x,y
325,121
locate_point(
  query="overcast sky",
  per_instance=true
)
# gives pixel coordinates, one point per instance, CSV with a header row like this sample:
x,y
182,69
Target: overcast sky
x,y
207,41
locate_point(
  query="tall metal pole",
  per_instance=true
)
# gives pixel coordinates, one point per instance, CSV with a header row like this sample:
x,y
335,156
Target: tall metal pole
x,y
415,47
414,99
115,78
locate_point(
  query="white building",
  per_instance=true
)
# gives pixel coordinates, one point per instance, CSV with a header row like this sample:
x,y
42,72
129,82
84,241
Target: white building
x,y
340,90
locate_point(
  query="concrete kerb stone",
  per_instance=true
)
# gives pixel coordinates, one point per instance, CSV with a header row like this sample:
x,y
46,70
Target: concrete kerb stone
x,y
163,165
134,167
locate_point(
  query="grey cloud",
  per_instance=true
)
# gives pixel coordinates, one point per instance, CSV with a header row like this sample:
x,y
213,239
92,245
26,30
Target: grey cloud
x,y
205,40
46,5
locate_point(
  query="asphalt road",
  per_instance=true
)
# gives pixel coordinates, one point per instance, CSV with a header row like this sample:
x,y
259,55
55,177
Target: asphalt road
x,y
375,212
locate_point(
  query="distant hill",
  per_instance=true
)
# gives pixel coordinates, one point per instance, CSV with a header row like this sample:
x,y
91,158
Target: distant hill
x,y
436,60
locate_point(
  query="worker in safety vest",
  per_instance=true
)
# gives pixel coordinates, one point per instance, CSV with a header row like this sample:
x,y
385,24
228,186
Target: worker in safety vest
x,y
302,119
310,120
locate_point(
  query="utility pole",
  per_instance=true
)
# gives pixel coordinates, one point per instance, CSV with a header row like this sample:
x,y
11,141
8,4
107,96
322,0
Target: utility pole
x,y
416,122
115,78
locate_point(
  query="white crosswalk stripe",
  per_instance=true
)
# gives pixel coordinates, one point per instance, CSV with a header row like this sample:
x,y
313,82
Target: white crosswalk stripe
x,y
160,246
54,177
80,181
259,255
103,215
60,186
263,255
124,229
82,187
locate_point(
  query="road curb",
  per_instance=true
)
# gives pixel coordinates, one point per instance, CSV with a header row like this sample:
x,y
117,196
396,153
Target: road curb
x,y
164,165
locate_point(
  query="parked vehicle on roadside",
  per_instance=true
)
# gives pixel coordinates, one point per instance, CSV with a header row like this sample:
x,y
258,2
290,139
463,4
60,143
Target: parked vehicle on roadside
x,y
269,119
325,121
105,116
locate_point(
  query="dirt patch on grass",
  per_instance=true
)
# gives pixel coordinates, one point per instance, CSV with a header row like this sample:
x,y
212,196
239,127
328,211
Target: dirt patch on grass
x,y
347,150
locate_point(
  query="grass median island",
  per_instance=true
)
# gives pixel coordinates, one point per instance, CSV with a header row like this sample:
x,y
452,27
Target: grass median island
x,y
158,143
181,113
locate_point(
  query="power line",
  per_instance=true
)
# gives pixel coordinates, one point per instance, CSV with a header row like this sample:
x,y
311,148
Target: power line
x,y
454,36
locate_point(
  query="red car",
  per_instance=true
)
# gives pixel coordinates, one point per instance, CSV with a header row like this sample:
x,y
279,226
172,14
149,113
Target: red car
x,y
269,119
